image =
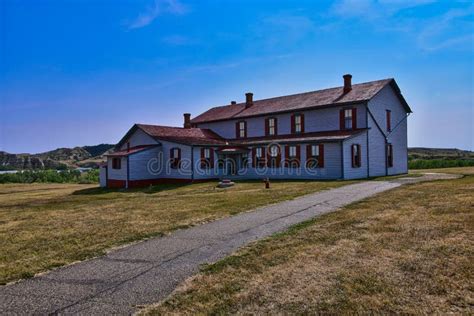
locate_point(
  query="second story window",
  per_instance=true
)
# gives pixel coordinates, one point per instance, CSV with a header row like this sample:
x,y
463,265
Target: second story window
x,y
348,118
241,129
116,163
389,120
270,126
297,123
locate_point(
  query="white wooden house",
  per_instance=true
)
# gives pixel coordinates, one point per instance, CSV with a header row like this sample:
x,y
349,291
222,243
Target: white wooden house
x,y
348,132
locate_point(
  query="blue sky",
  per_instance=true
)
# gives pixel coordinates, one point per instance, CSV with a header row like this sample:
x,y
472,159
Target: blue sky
x,y
82,72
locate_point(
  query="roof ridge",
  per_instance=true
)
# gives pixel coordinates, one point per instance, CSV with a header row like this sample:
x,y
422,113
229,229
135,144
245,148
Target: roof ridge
x,y
302,93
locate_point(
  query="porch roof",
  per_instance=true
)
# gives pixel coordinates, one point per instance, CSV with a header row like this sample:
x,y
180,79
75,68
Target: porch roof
x,y
132,150
329,136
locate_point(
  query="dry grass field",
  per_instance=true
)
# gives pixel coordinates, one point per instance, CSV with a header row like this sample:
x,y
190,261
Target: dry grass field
x,y
49,225
408,251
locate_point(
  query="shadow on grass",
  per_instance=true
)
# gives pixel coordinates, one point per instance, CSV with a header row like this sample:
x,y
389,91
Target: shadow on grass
x,y
148,190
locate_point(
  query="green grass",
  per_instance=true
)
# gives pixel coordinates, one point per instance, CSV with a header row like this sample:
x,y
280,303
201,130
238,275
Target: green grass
x,y
407,251
49,225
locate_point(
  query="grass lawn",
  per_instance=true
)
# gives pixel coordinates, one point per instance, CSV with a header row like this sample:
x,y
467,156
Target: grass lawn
x,y
48,225
410,250
455,170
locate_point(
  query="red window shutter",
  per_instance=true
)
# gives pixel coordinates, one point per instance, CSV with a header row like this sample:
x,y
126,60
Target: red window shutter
x,y
212,157
202,162
389,121
254,157
354,118
321,156
353,157
245,129
179,157
308,155
237,130
267,126
292,123
302,123
298,155
341,120
278,157
359,156
287,156
276,126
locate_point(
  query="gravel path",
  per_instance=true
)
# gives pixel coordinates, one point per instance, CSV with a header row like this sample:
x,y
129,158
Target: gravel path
x,y
146,272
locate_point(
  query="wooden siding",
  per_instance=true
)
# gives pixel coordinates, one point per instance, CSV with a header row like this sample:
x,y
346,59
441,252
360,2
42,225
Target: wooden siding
x,y
349,171
326,119
386,99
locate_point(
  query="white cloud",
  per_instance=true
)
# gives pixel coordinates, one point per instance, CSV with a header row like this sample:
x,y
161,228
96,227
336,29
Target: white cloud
x,y
158,8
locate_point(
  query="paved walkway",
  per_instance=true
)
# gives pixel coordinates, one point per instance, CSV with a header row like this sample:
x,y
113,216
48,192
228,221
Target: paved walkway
x,y
146,272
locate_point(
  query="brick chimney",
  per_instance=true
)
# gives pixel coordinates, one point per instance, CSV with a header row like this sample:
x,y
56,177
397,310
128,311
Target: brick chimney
x,y
248,99
233,103
187,120
347,83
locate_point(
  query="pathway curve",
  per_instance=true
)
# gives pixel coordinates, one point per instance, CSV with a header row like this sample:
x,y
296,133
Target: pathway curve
x,y
146,272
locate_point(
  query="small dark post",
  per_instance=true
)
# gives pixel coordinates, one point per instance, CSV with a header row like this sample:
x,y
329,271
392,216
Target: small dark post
x,y
267,183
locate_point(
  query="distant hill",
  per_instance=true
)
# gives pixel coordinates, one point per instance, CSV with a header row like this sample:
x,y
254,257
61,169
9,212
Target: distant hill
x,y
92,156
439,153
61,158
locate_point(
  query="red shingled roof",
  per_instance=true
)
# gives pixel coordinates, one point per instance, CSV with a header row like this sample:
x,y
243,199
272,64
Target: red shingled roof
x,y
328,97
194,136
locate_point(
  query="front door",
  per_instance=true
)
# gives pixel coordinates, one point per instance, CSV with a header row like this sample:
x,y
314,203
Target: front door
x,y
231,168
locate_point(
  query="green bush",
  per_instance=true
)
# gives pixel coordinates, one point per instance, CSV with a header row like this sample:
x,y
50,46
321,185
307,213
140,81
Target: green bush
x,y
439,163
51,176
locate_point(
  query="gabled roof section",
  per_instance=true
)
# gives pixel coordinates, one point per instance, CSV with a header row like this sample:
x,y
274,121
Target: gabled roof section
x,y
187,136
132,150
361,92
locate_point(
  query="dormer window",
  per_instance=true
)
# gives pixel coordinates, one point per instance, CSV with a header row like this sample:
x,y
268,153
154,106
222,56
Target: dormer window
x,y
241,129
297,123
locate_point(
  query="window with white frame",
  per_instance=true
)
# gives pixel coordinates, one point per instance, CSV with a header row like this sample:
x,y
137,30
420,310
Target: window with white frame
x,y
297,123
274,162
242,131
292,151
271,126
315,157
348,118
